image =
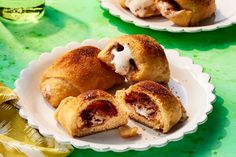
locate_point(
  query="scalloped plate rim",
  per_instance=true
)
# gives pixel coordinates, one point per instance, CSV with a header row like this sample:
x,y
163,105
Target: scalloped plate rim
x,y
136,147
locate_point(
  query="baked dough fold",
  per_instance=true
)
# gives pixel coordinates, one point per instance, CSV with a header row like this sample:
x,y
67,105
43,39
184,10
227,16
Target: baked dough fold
x,y
186,12
153,105
75,72
137,57
90,112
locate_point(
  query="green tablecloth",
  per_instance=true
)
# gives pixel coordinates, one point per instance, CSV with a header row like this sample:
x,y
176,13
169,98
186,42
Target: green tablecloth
x,y
74,20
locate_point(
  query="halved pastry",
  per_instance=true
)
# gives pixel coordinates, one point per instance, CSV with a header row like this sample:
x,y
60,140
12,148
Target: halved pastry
x,y
186,12
90,112
153,105
75,72
141,8
137,57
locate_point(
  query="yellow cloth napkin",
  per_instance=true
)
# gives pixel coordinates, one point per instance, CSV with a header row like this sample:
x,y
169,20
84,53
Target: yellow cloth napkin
x,y
17,138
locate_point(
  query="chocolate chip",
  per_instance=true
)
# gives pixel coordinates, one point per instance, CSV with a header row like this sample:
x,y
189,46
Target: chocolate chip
x,y
119,47
133,65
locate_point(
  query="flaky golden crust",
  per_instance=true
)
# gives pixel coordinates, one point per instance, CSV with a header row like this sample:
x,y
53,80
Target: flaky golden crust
x,y
68,114
149,57
201,9
186,12
169,110
56,89
122,3
75,72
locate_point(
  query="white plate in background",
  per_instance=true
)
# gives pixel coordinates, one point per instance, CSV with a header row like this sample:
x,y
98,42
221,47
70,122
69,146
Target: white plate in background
x,y
225,16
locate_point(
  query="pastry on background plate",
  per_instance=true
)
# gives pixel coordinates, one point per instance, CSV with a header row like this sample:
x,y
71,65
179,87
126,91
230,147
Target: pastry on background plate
x,y
153,105
141,8
90,112
181,12
75,72
137,57
186,12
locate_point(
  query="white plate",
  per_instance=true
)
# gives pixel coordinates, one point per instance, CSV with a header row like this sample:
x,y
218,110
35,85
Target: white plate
x,y
225,16
188,82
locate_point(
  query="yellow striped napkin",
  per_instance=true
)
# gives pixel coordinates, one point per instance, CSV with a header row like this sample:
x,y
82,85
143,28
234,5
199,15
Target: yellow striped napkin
x,y
17,138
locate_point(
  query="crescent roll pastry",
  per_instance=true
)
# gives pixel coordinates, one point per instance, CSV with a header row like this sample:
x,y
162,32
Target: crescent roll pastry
x,y
75,72
141,8
137,57
90,112
186,12
153,105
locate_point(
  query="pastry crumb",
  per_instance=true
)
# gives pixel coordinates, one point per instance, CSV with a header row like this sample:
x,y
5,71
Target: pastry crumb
x,y
128,132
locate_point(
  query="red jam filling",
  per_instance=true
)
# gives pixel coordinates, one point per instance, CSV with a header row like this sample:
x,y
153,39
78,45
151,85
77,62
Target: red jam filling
x,y
97,112
142,104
